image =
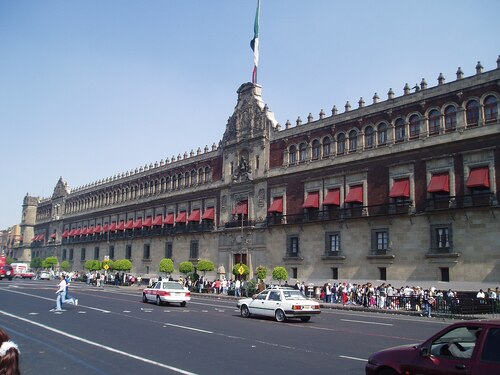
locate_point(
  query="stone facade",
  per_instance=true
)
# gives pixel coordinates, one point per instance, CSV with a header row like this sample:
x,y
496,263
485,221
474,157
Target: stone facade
x,y
402,189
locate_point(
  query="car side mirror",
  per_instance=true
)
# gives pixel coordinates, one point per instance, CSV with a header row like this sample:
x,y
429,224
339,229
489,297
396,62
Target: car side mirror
x,y
424,351
254,296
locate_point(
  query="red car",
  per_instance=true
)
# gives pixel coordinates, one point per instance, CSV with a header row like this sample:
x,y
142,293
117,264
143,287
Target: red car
x,y
469,347
6,272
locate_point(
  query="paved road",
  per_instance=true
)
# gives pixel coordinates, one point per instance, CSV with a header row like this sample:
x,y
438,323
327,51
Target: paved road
x,y
113,332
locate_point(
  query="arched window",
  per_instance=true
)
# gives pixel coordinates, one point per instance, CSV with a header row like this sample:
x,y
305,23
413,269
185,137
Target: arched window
x,y
180,181
186,179
341,143
400,130
353,140
434,122
382,134
292,154
174,182
316,149
450,118
193,178
490,109
302,152
327,142
168,182
414,126
208,176
369,137
472,113
200,176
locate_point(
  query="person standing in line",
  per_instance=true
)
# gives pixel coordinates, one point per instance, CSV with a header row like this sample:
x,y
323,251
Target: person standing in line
x,y
237,288
9,355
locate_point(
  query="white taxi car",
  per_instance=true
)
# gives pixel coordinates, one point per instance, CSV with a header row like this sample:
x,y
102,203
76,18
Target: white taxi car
x,y
281,303
166,292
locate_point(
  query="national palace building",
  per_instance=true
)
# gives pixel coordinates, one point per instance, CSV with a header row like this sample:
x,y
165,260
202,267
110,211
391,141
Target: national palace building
x,y
401,188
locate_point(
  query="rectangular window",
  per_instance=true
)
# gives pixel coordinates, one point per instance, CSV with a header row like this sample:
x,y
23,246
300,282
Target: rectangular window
x,y
441,238
146,252
64,254
445,274
294,272
382,273
293,246
335,273
332,243
96,253
194,249
82,254
380,241
128,252
111,252
70,255
169,250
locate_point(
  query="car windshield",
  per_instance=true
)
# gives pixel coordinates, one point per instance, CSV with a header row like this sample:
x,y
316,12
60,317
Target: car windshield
x,y
172,285
293,294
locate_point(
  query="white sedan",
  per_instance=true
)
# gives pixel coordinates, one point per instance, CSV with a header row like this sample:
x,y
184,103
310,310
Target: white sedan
x,y
166,292
280,303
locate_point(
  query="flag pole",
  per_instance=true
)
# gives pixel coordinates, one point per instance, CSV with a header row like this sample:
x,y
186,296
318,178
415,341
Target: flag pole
x,y
254,44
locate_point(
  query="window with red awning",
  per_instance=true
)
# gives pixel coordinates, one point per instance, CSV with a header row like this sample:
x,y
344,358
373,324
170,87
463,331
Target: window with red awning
x,y
400,188
312,200
355,194
276,206
440,183
479,178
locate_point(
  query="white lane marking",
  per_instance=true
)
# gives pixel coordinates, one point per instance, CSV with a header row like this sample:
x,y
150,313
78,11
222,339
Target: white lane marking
x,y
365,322
190,328
108,348
33,313
126,311
353,358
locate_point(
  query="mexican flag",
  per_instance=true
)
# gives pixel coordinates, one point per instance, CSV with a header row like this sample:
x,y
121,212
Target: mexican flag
x,y
255,43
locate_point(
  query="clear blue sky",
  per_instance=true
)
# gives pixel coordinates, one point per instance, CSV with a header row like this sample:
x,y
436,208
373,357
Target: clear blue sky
x,y
92,88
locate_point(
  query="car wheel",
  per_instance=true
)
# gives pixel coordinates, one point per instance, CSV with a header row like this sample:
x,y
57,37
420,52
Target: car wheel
x,y
387,371
158,301
305,318
245,313
280,316
144,298
183,303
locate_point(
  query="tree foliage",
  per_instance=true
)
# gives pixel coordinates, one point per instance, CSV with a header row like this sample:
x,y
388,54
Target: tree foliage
x,y
186,267
167,266
50,262
66,266
36,263
261,272
236,269
205,266
122,265
280,274
93,265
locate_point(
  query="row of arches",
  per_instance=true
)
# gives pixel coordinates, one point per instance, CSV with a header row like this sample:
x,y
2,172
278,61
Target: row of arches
x,y
472,113
139,190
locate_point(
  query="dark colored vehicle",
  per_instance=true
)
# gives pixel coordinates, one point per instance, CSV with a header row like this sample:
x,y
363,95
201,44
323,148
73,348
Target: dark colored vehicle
x,y
6,272
470,347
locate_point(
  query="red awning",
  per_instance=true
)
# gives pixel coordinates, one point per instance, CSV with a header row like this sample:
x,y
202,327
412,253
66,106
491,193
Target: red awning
x,y
148,223
181,218
121,226
138,223
65,234
130,224
169,220
400,188
332,198
440,183
276,206
312,200
208,214
98,229
85,231
72,233
355,195
53,236
195,216
242,208
479,178
78,232
158,220
91,230
105,228
112,227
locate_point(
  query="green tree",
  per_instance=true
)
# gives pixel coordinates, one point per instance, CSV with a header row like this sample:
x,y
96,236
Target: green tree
x,y
186,267
122,265
50,262
9,260
93,265
66,266
167,266
36,263
261,272
205,266
236,270
280,274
